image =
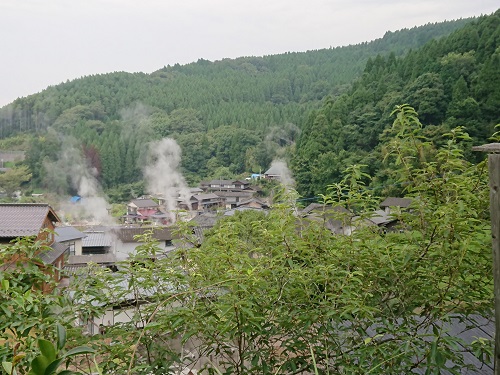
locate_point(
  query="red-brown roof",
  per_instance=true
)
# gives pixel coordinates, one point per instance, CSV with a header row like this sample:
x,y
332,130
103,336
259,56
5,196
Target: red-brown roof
x,y
24,219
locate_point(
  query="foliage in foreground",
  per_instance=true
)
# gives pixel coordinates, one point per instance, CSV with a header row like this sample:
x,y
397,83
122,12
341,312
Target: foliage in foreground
x,y
33,313
276,294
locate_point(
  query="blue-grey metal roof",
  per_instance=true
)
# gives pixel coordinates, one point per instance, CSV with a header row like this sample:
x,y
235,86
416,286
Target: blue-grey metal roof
x,y
97,239
50,256
64,234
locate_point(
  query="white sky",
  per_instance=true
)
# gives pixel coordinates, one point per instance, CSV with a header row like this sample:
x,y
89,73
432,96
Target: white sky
x,y
46,42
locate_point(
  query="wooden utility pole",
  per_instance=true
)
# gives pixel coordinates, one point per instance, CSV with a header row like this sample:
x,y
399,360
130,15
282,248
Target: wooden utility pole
x,y
493,150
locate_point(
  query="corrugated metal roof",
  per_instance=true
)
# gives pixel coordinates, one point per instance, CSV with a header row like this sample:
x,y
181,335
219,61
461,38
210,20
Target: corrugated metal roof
x,y
96,239
68,233
24,219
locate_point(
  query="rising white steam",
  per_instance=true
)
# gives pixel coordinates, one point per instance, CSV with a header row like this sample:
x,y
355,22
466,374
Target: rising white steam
x,y
280,168
162,174
71,169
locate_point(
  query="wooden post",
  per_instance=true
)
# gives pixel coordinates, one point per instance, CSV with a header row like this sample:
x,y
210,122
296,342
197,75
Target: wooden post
x,y
493,150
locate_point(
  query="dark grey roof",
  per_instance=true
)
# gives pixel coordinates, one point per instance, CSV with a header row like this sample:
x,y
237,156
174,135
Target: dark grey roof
x,y
144,203
206,219
227,182
24,219
242,194
335,218
274,170
396,202
468,329
68,233
380,217
56,250
200,197
96,239
126,234
248,201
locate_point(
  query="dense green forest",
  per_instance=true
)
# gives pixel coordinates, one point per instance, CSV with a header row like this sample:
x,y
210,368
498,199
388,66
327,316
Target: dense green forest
x,y
453,81
320,109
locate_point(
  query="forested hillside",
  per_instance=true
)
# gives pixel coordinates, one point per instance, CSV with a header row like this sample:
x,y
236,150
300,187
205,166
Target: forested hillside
x,y
230,116
453,81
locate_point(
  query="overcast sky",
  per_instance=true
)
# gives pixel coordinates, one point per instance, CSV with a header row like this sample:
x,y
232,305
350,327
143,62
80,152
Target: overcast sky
x,y
46,42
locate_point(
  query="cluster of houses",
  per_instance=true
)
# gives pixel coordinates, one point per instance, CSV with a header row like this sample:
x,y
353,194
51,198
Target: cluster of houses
x,y
71,249
209,196
74,248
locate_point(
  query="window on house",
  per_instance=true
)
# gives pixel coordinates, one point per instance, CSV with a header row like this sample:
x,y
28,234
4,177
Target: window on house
x,y
71,248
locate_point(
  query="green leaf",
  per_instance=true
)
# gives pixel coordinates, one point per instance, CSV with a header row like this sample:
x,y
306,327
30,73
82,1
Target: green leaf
x,y
440,358
152,325
47,349
61,336
52,367
39,364
5,286
79,350
7,366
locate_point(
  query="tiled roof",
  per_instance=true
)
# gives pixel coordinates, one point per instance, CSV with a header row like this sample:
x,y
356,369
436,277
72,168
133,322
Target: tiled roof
x,y
206,219
68,233
126,234
255,200
200,197
18,220
144,203
222,182
396,202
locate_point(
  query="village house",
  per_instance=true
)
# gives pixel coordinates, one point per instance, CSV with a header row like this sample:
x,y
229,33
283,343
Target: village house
x,y
98,247
253,203
38,221
337,219
385,217
70,237
224,185
202,202
129,238
273,173
233,198
142,208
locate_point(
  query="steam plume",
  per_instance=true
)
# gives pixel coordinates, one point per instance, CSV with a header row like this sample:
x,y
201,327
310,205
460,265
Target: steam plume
x,y
162,174
71,170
